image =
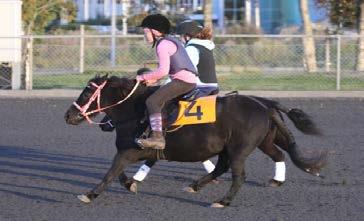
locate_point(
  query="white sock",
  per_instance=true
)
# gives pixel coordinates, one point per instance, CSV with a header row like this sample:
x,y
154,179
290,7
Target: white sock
x,y
142,173
208,165
280,171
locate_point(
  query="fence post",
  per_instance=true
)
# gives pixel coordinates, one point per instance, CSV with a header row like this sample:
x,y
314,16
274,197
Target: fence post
x,y
338,63
82,49
29,65
327,54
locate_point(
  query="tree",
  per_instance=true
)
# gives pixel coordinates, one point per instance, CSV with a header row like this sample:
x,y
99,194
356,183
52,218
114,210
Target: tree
x,y
348,13
342,13
360,59
36,15
207,12
308,41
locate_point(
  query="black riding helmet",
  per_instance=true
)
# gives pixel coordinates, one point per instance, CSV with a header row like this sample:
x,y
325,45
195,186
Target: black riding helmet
x,y
189,27
157,22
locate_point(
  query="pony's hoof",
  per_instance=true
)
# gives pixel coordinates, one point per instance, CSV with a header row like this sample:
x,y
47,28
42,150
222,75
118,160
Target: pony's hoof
x,y
133,188
275,183
189,190
84,198
217,205
215,181
314,172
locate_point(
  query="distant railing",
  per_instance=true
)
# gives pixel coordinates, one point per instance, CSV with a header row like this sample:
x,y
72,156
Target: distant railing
x,y
244,62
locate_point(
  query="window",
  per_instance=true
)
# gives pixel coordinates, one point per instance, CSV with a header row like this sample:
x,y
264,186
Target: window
x,y
100,1
234,10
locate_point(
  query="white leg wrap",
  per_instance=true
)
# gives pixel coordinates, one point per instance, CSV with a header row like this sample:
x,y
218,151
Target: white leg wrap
x,y
142,173
208,165
280,171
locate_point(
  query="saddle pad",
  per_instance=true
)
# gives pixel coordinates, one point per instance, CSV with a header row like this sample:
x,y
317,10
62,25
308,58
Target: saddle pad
x,y
199,111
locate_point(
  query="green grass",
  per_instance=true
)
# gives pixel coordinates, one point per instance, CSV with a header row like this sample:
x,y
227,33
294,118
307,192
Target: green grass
x,y
246,81
294,82
70,81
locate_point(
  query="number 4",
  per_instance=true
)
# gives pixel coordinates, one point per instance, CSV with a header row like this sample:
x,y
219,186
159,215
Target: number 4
x,y
198,112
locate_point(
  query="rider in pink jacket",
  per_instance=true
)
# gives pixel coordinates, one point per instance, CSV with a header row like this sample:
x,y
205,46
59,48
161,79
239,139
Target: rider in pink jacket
x,y
173,61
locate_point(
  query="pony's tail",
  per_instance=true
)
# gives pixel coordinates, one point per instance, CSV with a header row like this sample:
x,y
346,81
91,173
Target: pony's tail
x,y
311,165
301,120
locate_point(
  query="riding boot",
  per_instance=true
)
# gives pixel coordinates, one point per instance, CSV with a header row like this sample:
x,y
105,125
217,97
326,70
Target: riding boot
x,y
155,141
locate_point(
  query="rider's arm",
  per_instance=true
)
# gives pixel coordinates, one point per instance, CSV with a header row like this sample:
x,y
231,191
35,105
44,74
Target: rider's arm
x,y
165,49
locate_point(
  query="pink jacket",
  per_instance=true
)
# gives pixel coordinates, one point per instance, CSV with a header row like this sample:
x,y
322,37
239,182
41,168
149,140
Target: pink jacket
x,y
165,49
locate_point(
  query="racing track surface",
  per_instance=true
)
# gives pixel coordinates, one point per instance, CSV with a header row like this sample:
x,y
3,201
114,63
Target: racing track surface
x,y
45,163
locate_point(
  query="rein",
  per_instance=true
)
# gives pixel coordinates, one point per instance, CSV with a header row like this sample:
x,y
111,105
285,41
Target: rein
x,y
97,95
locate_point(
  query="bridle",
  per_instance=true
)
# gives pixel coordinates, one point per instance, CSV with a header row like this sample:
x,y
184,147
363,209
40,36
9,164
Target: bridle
x,y
97,96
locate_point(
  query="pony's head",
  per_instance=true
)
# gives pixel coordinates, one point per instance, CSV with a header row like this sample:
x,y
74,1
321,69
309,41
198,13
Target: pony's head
x,y
101,93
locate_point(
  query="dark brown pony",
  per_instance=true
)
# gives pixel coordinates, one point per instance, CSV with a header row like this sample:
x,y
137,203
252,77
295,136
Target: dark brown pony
x,y
269,146
243,123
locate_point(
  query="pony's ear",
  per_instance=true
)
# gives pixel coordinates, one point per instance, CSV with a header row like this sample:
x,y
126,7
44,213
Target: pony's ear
x,y
105,76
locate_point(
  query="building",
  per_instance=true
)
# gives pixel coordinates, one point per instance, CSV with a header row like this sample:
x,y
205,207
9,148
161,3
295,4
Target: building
x,y
10,43
93,9
269,15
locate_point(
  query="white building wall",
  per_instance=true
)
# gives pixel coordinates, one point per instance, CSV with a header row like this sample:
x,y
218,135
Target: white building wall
x,y
10,48
90,9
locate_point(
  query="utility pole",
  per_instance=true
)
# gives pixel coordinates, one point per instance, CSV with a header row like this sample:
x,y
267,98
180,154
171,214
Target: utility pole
x,y
126,5
113,32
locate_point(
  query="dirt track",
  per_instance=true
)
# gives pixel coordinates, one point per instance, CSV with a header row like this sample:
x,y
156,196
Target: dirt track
x,y
45,163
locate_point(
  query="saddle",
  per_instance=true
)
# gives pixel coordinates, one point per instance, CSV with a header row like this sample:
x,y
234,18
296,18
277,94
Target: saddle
x,y
195,107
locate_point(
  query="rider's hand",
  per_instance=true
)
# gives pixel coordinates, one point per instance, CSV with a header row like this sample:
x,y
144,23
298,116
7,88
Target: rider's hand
x,y
147,82
151,82
139,78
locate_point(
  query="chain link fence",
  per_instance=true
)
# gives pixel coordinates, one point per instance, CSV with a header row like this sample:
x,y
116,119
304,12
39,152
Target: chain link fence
x,y
243,62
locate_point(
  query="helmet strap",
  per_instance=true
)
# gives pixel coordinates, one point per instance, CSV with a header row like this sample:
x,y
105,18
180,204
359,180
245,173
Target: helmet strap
x,y
154,38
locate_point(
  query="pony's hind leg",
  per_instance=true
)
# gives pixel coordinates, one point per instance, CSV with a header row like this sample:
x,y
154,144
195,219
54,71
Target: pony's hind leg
x,y
285,140
221,167
238,177
268,147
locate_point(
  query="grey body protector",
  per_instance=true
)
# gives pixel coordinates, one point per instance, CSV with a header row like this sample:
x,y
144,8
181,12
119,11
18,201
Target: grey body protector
x,y
179,60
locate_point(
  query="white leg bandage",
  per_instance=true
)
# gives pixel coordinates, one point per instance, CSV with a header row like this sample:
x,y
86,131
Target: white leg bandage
x,y
208,165
280,171
142,173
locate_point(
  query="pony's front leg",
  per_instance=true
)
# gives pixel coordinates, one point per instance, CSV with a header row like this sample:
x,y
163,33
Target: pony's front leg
x,y
139,176
129,184
116,168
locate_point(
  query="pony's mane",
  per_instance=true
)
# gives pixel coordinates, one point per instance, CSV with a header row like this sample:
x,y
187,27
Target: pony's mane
x,y
121,82
125,84
114,81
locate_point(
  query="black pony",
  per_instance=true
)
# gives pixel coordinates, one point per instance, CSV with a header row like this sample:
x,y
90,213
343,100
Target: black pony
x,y
242,124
